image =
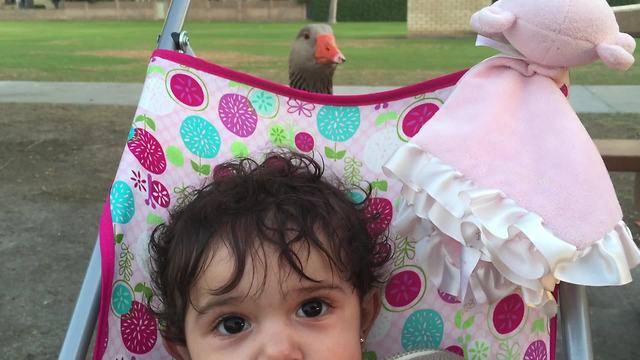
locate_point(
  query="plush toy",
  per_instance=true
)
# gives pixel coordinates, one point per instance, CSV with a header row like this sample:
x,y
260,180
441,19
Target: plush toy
x,y
558,33
503,188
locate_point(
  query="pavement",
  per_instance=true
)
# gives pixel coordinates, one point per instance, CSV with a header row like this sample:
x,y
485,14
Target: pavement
x,y
584,98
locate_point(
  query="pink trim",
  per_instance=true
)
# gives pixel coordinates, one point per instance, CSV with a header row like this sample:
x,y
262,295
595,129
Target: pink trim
x,y
107,256
324,99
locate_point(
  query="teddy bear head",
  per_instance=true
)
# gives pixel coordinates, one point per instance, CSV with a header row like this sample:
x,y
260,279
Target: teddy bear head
x,y
558,33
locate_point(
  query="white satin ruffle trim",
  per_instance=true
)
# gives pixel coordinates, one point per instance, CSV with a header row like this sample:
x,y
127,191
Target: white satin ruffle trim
x,y
478,244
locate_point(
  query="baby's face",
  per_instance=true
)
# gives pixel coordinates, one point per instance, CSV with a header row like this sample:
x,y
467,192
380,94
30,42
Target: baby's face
x,y
288,318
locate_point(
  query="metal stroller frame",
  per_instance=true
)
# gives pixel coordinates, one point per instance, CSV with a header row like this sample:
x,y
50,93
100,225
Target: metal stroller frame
x,y
574,307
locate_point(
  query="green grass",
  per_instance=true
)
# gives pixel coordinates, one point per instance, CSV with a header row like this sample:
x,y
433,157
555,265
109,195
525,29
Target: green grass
x,y
377,53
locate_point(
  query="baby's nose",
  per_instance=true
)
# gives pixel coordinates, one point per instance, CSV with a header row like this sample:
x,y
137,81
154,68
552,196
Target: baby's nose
x,y
281,343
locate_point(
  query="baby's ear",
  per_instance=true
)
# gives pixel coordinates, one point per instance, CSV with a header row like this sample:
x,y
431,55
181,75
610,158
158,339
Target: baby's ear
x,y
369,309
618,56
492,20
177,351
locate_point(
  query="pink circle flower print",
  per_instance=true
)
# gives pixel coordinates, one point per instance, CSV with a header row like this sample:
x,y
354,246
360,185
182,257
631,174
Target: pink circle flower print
x,y
507,316
415,116
148,151
380,211
160,194
304,141
404,289
138,329
537,350
187,90
237,115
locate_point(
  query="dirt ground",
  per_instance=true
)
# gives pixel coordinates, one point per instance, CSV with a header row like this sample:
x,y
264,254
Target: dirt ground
x,y
56,164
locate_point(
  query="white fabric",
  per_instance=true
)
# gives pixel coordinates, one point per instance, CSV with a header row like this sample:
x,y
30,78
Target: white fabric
x,y
478,241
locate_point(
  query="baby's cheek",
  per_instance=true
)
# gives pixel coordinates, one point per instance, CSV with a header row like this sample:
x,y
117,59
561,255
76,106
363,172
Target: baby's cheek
x,y
340,340
338,346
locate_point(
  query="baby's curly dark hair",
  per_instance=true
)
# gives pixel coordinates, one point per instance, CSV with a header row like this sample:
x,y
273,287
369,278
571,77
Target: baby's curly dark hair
x,y
282,202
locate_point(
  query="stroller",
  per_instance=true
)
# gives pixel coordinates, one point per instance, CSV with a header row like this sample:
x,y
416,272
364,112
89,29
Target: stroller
x,y
164,159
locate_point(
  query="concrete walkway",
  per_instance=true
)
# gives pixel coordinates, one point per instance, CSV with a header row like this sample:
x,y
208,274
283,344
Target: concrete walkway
x,y
585,99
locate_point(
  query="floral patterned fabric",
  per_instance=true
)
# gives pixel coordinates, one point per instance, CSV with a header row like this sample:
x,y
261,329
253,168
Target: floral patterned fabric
x,y
193,115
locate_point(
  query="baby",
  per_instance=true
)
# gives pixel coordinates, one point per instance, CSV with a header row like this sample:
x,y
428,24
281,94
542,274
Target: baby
x,y
268,261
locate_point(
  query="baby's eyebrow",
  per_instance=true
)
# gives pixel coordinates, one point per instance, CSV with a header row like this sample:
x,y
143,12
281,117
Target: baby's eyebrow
x,y
313,287
215,301
222,300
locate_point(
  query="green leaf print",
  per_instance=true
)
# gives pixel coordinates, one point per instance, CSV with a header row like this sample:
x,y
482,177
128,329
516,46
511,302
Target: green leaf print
x,y
153,219
146,291
506,352
328,152
340,154
386,117
381,185
205,169
202,169
148,122
119,238
405,250
458,319
124,262
184,194
195,166
352,174
467,323
538,326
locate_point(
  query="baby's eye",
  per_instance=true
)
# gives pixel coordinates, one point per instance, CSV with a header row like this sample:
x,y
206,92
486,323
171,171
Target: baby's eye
x,y
312,308
232,325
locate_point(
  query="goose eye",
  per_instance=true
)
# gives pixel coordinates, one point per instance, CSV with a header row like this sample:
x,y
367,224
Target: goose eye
x,y
307,36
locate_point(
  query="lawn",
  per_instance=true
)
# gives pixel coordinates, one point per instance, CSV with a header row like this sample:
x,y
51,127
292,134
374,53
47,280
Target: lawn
x,y
377,53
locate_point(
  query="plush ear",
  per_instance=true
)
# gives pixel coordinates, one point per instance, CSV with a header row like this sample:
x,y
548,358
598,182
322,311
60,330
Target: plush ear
x,y
492,20
615,56
627,42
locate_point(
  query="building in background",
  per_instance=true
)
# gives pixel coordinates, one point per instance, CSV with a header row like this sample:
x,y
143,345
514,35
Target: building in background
x,y
441,18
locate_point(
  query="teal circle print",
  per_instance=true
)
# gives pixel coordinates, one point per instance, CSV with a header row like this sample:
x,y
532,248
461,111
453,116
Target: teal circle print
x,y
121,298
265,103
132,132
121,201
338,123
200,137
422,330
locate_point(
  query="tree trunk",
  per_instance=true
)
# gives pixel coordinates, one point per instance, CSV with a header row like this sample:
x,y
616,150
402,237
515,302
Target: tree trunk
x,y
333,9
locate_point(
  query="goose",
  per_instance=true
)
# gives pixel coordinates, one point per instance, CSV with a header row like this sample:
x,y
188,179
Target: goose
x,y
313,59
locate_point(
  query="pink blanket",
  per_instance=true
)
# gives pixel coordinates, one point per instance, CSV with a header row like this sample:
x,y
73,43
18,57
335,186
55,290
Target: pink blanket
x,y
515,187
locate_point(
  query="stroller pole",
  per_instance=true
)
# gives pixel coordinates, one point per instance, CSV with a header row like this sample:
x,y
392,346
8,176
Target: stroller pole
x,y
576,325
78,337
172,37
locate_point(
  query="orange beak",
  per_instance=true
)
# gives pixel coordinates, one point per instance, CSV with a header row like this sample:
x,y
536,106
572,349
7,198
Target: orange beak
x,y
327,51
